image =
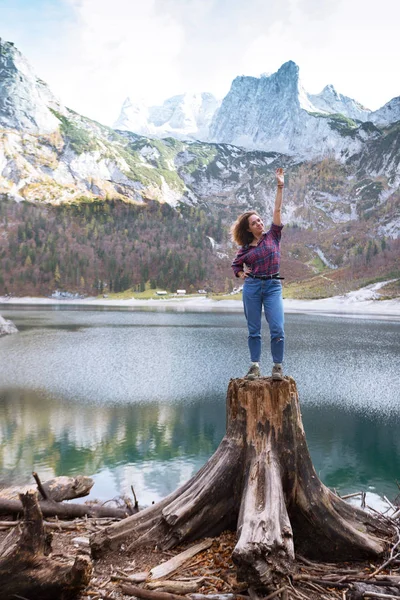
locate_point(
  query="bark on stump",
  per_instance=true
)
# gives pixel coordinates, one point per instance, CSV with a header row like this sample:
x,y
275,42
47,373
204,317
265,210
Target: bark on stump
x,y
25,569
260,480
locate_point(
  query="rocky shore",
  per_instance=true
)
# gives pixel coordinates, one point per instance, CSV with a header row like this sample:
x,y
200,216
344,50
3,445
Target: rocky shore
x,y
6,327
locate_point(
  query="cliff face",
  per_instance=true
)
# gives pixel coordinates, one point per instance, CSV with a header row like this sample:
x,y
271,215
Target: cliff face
x,y
388,114
275,113
271,113
25,100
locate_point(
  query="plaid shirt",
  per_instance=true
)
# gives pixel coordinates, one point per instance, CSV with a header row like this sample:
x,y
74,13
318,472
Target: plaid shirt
x,y
263,259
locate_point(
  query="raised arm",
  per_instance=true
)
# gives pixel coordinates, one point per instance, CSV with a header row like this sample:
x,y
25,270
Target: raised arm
x,y
280,181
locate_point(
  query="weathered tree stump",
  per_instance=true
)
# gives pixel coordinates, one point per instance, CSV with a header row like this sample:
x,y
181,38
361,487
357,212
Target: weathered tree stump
x,y
25,569
260,480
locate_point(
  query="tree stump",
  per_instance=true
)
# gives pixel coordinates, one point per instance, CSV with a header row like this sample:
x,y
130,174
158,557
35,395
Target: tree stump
x,y
25,569
260,480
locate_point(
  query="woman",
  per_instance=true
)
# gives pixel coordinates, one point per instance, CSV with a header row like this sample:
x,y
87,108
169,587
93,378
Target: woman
x,y
257,263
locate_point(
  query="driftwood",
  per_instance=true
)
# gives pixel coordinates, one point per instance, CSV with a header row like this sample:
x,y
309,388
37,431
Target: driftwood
x,y
25,569
174,563
67,488
359,591
66,511
138,592
58,525
175,587
218,597
260,481
56,489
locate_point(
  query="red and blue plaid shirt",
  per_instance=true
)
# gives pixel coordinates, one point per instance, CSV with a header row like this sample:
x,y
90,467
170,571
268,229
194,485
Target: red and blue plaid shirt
x,y
263,259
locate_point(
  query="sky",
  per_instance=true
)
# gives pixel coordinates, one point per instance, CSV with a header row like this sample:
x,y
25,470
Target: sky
x,y
95,53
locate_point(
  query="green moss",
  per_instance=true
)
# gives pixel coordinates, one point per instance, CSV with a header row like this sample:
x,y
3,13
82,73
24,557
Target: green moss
x,y
162,163
204,155
78,138
173,180
339,123
317,264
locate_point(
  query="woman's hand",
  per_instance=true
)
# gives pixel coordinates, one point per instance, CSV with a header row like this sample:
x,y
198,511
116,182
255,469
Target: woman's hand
x,y
280,177
245,273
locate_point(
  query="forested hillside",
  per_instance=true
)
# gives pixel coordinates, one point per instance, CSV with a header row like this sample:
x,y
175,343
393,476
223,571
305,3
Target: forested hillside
x,y
101,247
105,246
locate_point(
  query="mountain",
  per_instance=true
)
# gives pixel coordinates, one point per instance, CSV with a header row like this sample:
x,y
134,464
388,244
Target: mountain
x,y
271,113
331,102
187,116
388,114
89,198
276,113
25,100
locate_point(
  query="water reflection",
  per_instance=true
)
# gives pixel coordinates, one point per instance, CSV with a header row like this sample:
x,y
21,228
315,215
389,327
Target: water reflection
x,y
56,437
139,398
354,451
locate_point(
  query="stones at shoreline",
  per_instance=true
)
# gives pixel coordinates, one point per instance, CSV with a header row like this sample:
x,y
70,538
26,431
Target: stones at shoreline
x,y
7,327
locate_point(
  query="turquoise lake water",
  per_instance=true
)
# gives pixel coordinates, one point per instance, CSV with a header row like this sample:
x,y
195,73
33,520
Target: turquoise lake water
x,y
138,397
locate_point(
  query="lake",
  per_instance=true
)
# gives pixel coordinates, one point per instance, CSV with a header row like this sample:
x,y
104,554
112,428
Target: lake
x,y
137,398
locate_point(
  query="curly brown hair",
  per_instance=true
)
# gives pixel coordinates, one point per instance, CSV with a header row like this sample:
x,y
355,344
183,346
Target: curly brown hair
x,y
239,230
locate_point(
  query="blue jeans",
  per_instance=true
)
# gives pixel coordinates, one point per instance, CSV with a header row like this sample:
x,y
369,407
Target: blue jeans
x,y
268,293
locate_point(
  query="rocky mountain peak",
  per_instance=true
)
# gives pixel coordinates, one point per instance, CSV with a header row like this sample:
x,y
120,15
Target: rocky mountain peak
x,y
387,114
332,102
25,100
289,70
267,112
329,90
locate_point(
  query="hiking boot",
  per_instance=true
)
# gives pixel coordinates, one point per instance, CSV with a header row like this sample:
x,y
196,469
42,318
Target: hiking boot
x,y
253,372
277,372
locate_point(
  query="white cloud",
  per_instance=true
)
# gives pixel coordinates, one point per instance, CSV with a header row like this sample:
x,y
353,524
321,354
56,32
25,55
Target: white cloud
x,y
343,43
122,47
94,53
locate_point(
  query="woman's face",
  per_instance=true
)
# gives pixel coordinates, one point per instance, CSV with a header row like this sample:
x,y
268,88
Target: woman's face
x,y
256,225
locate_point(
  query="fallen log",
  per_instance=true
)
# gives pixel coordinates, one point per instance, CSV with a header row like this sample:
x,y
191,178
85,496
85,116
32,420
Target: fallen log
x,y
56,489
66,511
260,481
25,569
59,525
67,488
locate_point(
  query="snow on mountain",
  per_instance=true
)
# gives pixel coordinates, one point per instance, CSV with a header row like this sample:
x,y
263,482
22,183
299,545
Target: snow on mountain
x,y
186,116
133,117
388,114
275,113
272,112
75,157
25,100
330,101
